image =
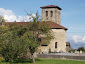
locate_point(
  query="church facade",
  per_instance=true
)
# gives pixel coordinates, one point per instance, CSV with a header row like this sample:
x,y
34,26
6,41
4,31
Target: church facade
x,y
52,13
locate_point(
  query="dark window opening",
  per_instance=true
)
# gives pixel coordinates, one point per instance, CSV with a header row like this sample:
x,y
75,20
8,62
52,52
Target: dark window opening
x,y
55,44
46,13
67,45
51,12
44,45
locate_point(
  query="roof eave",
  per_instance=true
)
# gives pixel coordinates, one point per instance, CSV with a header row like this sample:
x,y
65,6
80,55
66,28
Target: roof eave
x,y
51,7
60,28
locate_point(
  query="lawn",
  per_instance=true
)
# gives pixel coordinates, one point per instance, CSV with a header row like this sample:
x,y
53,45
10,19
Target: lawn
x,y
49,61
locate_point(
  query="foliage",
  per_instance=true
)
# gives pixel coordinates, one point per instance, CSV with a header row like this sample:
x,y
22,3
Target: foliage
x,y
36,29
2,20
81,48
11,43
72,51
16,40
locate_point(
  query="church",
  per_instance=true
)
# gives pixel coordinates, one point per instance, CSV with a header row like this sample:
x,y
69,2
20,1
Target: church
x,y
52,13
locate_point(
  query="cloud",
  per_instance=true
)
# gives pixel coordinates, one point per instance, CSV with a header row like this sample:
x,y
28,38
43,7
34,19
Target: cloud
x,y
9,16
78,39
6,12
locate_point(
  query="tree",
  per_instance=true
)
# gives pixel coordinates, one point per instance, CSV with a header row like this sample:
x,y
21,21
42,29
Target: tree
x,y
36,29
13,45
2,20
81,48
17,39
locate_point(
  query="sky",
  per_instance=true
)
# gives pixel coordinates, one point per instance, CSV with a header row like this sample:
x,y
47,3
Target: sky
x,y
72,15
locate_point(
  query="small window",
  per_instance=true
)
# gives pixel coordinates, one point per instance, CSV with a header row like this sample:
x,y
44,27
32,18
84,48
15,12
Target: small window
x,y
51,12
55,44
46,13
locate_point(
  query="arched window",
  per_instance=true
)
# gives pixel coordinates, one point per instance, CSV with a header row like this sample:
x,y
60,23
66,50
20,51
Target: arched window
x,y
55,44
46,13
51,12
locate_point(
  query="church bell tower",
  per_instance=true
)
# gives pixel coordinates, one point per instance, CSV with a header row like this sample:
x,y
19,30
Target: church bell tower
x,y
51,13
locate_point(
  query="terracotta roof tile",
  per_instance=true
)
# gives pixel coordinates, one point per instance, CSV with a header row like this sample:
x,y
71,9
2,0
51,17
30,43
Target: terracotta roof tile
x,y
51,24
51,6
55,25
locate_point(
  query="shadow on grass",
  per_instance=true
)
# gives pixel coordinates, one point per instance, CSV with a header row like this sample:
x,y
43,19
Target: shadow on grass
x,y
26,61
23,61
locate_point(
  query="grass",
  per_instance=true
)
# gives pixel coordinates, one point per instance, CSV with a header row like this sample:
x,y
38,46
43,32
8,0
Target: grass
x,y
48,61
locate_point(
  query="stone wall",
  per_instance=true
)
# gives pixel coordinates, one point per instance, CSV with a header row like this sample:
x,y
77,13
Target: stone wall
x,y
61,57
56,15
60,38
67,48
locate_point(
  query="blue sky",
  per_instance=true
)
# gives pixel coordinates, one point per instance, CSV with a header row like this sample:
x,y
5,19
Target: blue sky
x,y
72,15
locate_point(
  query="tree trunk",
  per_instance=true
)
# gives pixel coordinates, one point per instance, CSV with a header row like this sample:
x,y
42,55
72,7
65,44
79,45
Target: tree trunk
x,y
6,63
33,58
0,62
